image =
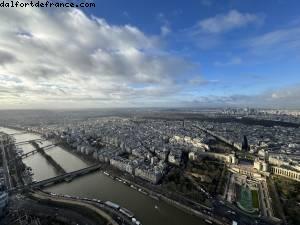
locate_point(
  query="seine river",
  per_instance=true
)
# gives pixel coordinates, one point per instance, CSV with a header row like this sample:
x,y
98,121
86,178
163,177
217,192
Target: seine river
x,y
97,185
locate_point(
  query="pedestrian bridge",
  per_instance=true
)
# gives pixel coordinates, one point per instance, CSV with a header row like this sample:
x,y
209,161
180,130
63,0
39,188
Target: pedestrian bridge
x,y
47,147
27,154
28,141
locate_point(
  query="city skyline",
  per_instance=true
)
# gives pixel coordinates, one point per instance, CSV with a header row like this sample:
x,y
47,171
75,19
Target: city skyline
x,y
133,54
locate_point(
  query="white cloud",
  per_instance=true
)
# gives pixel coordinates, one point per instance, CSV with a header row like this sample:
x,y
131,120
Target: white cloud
x,y
289,93
211,32
165,30
232,61
63,55
287,97
287,39
200,81
226,22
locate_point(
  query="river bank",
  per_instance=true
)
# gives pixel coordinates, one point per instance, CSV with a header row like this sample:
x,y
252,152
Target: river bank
x,y
99,186
80,207
157,196
140,184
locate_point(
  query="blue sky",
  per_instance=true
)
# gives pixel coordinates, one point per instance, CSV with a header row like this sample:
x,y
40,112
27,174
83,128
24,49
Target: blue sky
x,y
161,53
230,60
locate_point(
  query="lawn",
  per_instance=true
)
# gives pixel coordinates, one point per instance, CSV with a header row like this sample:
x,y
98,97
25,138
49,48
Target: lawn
x,y
289,190
247,200
255,199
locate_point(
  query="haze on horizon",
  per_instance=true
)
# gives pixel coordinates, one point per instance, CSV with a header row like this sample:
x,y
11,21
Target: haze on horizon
x,y
205,53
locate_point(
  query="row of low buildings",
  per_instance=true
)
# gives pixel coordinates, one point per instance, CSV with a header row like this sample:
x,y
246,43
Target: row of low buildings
x,y
226,158
276,139
265,114
278,165
139,147
108,139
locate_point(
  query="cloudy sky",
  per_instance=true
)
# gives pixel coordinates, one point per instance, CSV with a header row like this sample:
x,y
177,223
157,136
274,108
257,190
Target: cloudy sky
x,y
152,53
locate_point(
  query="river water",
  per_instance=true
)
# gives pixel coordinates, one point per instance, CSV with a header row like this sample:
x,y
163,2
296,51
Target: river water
x,y
98,185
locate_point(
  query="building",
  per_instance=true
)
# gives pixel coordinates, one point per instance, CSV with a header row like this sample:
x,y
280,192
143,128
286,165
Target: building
x,y
175,156
260,165
150,173
123,164
285,172
226,158
3,199
277,167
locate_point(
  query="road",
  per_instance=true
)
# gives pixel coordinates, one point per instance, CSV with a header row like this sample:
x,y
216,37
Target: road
x,y
41,210
96,213
80,203
110,214
277,201
6,168
223,210
219,210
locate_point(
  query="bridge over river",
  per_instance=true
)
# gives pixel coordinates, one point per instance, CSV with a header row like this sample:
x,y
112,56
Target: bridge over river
x,y
27,154
58,179
29,141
